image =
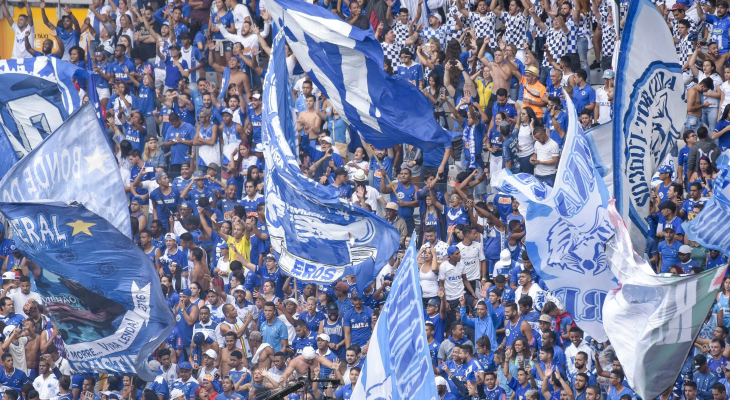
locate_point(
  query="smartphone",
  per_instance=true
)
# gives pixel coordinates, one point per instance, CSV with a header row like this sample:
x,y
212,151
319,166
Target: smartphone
x,y
149,169
442,90
453,62
520,360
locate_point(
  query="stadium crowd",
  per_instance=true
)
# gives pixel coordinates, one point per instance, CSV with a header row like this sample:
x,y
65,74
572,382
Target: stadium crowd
x,y
181,89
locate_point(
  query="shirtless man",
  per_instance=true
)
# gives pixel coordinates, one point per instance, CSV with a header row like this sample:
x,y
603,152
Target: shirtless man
x,y
308,360
33,347
225,352
263,354
237,76
501,73
714,56
694,107
310,117
200,273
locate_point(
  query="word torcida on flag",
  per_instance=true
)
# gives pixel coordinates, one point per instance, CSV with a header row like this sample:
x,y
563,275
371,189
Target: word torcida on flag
x,y
567,229
649,114
346,64
37,95
75,163
398,365
652,320
316,236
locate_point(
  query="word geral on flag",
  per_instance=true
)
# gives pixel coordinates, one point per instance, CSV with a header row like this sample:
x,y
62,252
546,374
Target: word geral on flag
x,y
37,95
398,365
73,164
652,320
715,214
317,236
346,64
567,230
100,289
649,114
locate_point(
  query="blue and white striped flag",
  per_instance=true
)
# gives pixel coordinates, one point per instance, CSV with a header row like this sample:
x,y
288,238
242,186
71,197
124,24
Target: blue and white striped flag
x,y
710,228
346,64
37,95
567,230
398,365
316,236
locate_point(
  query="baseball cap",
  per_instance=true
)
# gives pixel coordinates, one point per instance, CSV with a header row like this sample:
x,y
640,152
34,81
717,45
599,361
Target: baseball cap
x,y
684,249
175,47
183,365
199,174
545,318
259,148
669,228
290,300
324,337
340,171
159,175
440,381
14,248
199,338
204,112
271,256
678,6
405,51
151,138
222,245
175,393
187,292
452,250
391,206
665,169
10,275
342,286
256,335
8,330
154,366
211,353
184,204
437,16
608,74
170,236
700,360
227,110
332,307
136,200
239,287
434,302
327,139
308,353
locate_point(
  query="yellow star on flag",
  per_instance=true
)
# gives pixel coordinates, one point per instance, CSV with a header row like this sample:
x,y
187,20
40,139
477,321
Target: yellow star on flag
x,y
81,227
96,161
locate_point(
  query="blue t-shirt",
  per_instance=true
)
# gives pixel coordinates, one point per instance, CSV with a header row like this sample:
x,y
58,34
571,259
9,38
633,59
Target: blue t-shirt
x,y
166,205
14,380
69,39
669,254
344,392
172,72
582,97
412,73
361,325
134,136
473,138
387,163
720,32
562,120
180,151
146,100
724,140
495,140
117,68
300,343
683,157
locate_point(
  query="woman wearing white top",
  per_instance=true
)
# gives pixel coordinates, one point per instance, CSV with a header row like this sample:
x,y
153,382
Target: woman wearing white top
x,y
428,272
709,114
223,268
525,140
360,162
724,92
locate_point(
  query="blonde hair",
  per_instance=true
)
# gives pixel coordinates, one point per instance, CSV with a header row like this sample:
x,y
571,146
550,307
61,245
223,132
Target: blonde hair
x,y
147,152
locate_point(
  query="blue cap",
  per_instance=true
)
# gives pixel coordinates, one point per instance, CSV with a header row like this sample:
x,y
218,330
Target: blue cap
x,y
198,338
198,174
665,169
187,292
227,110
136,200
452,250
222,245
185,365
13,248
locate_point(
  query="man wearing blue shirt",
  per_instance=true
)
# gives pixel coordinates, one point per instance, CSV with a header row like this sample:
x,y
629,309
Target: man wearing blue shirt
x,y
616,388
11,377
584,97
484,324
304,338
668,250
358,323
720,30
179,138
274,331
409,69
345,392
503,103
185,381
685,261
69,31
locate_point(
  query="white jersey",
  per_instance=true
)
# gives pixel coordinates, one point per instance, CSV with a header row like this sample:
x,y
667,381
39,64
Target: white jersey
x,y
453,283
240,13
471,257
605,109
19,50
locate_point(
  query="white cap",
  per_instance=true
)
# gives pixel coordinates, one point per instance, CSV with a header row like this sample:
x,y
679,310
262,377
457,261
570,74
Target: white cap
x,y
211,353
684,249
327,139
505,259
10,275
324,337
440,381
239,287
8,330
175,393
308,353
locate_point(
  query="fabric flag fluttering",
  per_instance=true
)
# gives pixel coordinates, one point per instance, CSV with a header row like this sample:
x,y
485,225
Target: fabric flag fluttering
x,y
567,229
346,64
715,215
37,95
316,236
111,316
649,114
652,320
75,163
398,365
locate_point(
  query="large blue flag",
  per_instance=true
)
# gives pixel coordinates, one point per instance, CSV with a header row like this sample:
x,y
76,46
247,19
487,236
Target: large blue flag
x,y
317,236
37,95
100,289
73,164
649,114
399,365
567,230
710,227
346,64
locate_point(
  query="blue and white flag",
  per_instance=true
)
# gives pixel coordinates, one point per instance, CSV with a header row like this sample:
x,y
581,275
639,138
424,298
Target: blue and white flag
x,y
316,236
649,114
100,289
567,231
37,95
398,365
346,64
73,164
710,227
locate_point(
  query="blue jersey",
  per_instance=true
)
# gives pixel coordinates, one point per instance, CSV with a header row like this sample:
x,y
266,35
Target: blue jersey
x,y
519,389
669,254
185,114
720,32
512,332
473,138
495,141
134,136
455,216
186,331
387,163
300,343
236,376
277,276
583,97
117,69
146,100
14,380
255,120
336,332
160,387
69,40
438,323
312,321
344,392
252,205
495,394
433,349
405,194
562,120
361,325
179,150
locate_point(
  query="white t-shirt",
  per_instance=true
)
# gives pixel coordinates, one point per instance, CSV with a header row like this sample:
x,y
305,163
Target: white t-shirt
x,y
19,50
470,259
240,13
453,283
725,88
546,152
525,141
47,388
372,197
298,87
19,299
604,106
